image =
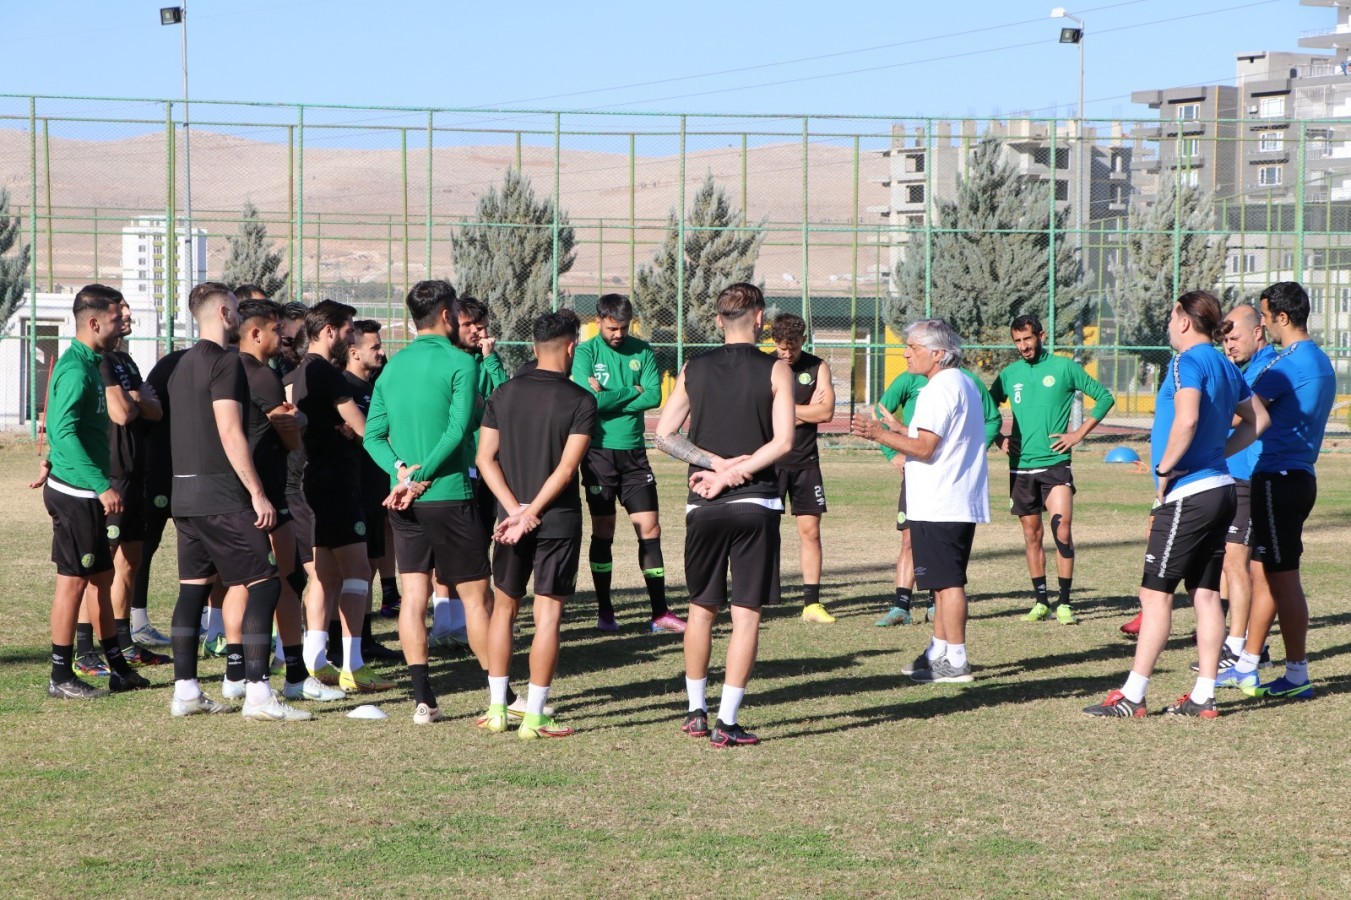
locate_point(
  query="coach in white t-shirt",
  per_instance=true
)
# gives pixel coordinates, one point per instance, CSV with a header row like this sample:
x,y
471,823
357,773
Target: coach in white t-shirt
x,y
947,488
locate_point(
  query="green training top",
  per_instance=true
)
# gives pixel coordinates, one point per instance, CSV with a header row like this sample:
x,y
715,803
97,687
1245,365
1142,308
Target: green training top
x,y
491,376
620,406
1041,394
902,393
424,410
77,420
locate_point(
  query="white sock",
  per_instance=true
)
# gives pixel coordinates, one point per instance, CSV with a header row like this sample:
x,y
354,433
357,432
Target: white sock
x,y
937,650
456,614
1247,662
535,698
1297,672
351,653
1204,690
497,690
697,689
139,619
730,703
957,655
257,693
440,615
1134,688
315,649
1235,644
215,623
187,689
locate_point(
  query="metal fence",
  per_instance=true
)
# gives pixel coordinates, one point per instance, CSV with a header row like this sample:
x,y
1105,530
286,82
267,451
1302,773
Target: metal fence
x,y
364,202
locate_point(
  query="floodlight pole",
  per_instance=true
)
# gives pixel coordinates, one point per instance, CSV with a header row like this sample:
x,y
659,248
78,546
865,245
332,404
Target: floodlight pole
x,y
1083,179
187,149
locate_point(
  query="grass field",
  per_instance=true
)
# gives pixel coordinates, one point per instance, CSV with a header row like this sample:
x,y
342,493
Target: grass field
x,y
865,785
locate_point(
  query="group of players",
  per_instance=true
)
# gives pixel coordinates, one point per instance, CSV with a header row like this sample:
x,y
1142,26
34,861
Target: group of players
x,y
293,473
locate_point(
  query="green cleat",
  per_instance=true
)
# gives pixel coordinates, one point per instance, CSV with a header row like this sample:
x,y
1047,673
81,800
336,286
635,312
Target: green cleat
x,y
214,647
494,721
534,727
894,616
1064,615
1037,613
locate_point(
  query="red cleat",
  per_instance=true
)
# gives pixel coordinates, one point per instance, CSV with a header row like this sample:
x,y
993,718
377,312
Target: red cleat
x,y
1132,627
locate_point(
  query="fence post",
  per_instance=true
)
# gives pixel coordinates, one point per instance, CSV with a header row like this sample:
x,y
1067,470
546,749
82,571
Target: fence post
x,y
1050,232
32,267
47,191
680,259
1331,336
558,202
300,205
403,176
929,160
806,230
291,206
853,291
430,116
170,231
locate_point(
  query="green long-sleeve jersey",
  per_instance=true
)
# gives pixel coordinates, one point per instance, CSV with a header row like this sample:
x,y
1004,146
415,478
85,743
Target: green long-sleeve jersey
x,y
424,409
903,391
619,403
77,420
491,376
1041,395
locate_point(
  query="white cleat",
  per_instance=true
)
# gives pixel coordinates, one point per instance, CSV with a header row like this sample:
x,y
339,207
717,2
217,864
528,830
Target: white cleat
x,y
275,711
426,715
232,690
199,705
312,689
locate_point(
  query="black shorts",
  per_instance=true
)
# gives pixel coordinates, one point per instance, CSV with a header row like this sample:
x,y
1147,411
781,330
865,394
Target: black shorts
x,y
1240,527
303,517
1027,491
622,474
1281,501
227,545
487,504
375,517
339,519
1186,541
155,512
941,551
444,535
129,524
805,489
79,532
740,534
902,523
553,560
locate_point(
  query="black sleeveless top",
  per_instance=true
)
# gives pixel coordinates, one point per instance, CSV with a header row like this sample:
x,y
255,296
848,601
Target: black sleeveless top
x,y
731,412
803,455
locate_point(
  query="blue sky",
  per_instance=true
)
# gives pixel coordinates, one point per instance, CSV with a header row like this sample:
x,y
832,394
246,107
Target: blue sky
x,y
897,58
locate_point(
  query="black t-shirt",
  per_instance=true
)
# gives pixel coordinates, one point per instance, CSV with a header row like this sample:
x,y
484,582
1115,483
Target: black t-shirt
x,y
804,454
374,480
535,414
732,412
269,456
205,484
126,441
159,457
317,386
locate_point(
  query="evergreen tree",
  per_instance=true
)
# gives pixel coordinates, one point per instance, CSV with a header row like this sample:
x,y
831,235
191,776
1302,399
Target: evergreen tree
x,y
505,258
252,260
990,260
719,250
13,266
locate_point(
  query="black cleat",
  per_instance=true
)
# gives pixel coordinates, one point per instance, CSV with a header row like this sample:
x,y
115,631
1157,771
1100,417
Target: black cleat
x,y
696,724
75,689
132,681
731,736
378,652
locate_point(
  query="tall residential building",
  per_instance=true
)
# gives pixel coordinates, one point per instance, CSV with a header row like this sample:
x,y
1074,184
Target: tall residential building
x,y
145,261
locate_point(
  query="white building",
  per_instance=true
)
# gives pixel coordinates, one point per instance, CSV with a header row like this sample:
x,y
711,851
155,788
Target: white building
x,y
145,264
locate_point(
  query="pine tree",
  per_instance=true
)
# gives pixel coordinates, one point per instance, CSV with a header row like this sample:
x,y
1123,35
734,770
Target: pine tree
x,y
990,260
1143,290
252,260
719,250
505,258
13,267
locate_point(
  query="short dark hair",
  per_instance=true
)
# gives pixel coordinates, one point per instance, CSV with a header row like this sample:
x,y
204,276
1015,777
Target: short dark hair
x,y
552,326
614,306
1026,321
294,311
204,293
246,291
1203,308
96,297
1288,297
366,326
473,309
738,299
259,309
327,313
570,314
426,300
788,327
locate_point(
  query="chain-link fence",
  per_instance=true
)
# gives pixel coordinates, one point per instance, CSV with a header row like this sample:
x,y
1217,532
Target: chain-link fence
x,y
858,224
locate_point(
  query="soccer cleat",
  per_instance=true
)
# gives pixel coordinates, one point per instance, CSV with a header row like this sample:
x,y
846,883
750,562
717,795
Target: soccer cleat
x,y
1037,613
941,671
274,711
390,610
516,709
895,616
139,657
1132,628
667,623
1186,706
723,736
75,689
374,650
696,724
1227,659
231,690
311,689
278,667
328,675
363,682
426,715
1282,689
494,721
449,640
1264,662
91,665
931,613
150,636
921,664
199,705
607,624
816,614
132,681
1064,615
534,727
215,647
1117,705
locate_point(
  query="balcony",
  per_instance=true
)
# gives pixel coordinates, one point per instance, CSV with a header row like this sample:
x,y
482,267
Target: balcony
x,y
1324,38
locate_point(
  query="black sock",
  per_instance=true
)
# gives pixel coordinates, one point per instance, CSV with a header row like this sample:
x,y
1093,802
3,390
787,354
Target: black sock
x,y
366,629
811,593
654,574
422,685
1065,584
84,638
1039,589
234,661
63,655
113,653
335,643
297,580
1224,606
902,600
295,664
602,568
389,590
123,627
511,695
259,610
187,625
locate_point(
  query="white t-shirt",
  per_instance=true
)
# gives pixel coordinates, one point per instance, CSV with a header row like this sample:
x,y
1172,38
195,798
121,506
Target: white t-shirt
x,y
954,484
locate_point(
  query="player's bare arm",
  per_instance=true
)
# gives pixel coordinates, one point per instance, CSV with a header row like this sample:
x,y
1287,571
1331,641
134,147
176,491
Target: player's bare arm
x,y
229,416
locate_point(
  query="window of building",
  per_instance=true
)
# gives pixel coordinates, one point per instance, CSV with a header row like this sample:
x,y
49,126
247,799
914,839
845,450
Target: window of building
x,y
1287,260
1189,178
915,221
1250,262
1269,175
1062,190
1189,148
1316,299
914,193
1344,300
1270,107
1188,111
914,162
1271,141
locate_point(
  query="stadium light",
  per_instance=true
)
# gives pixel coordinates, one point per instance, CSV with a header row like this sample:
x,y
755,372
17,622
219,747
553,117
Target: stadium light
x,y
170,15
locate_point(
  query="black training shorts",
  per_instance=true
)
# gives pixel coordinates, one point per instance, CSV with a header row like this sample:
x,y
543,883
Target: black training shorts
x,y
441,535
1028,490
303,517
79,531
625,475
1186,541
902,523
553,560
227,545
339,519
941,551
1240,527
741,534
1281,501
805,489
129,524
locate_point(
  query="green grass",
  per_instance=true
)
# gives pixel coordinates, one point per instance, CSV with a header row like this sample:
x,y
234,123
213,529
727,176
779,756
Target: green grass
x,y
866,785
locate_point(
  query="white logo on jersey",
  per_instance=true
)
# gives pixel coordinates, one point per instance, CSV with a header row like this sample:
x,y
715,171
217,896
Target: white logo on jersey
x,y
601,373
1018,393
1048,381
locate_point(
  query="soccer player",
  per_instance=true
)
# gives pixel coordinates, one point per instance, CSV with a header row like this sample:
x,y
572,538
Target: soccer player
x,y
536,429
739,403
1040,389
800,471
422,416
1298,387
332,487
947,488
79,495
221,511
621,371
294,341
1200,394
